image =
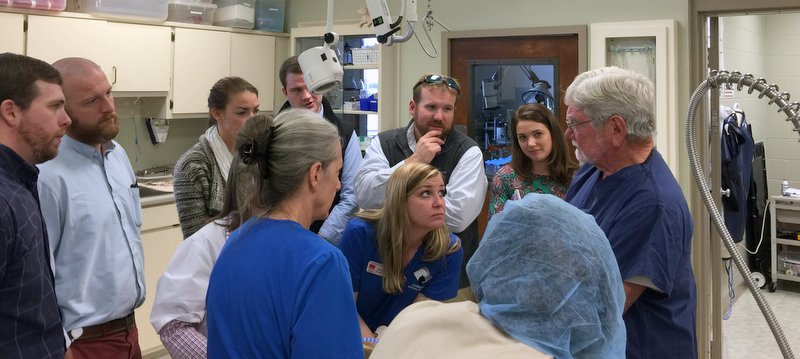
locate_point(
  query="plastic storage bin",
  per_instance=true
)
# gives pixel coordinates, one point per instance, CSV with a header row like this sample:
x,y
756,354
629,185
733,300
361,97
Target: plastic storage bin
x,y
225,3
53,5
235,13
194,12
140,10
789,262
269,15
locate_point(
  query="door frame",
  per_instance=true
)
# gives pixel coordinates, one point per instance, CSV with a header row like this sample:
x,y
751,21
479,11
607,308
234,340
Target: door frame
x,y
578,31
581,31
706,245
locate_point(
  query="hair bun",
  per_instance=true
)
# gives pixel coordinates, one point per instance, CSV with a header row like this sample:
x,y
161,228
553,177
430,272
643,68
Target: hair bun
x,y
248,152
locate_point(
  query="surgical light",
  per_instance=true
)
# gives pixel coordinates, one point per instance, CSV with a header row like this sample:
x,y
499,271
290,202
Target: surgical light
x,y
322,70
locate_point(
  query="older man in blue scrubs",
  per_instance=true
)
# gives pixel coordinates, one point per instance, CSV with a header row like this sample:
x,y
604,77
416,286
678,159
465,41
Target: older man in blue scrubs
x,y
626,185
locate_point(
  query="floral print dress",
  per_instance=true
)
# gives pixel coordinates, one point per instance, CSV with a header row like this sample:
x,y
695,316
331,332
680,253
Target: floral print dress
x,y
507,185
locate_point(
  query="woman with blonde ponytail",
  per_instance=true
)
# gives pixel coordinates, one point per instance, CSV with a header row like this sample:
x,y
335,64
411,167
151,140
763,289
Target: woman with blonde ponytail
x,y
403,252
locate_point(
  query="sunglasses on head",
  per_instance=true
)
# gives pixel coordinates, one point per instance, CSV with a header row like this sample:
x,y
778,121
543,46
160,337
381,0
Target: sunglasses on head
x,y
435,79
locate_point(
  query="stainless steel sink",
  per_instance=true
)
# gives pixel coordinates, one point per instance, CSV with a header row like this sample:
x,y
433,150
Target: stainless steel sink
x,y
154,181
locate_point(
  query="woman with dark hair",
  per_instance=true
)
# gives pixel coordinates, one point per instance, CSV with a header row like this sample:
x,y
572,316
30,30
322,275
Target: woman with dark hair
x,y
277,289
540,159
404,252
202,171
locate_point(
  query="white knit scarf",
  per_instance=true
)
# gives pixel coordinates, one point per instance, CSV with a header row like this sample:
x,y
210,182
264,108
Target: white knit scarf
x,y
220,149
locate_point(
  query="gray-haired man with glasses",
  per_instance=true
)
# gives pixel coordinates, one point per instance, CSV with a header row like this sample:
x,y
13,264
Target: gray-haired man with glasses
x,y
429,139
628,188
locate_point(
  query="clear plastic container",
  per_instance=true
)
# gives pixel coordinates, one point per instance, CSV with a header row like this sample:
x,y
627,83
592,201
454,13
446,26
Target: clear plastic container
x,y
225,3
52,5
140,10
269,15
193,12
789,262
240,16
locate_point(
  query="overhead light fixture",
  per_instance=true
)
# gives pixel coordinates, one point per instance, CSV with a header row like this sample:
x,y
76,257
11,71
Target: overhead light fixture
x,y
322,70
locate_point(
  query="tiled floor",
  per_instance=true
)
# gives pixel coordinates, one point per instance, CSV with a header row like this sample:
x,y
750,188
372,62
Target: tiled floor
x,y
746,332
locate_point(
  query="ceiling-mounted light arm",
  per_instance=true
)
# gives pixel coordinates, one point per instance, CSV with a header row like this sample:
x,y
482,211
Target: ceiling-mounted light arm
x,y
382,23
322,70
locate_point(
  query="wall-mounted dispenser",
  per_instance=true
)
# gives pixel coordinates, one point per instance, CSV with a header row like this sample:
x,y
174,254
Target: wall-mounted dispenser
x,y
158,129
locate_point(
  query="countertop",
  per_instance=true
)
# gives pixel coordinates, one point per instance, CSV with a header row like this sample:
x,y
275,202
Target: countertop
x,y
151,198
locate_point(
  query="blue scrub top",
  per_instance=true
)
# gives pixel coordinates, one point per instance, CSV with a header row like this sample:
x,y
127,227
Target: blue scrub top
x,y
279,291
437,280
643,213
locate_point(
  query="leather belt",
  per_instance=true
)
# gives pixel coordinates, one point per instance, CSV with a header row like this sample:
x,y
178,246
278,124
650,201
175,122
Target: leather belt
x,y
109,327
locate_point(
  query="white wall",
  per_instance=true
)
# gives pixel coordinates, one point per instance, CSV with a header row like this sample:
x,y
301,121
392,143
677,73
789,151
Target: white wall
x,y
782,67
742,40
762,45
133,136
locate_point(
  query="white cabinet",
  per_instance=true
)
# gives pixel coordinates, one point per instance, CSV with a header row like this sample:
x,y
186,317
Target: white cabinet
x,y
201,58
141,57
647,47
253,58
161,235
13,38
383,71
136,58
784,220
52,38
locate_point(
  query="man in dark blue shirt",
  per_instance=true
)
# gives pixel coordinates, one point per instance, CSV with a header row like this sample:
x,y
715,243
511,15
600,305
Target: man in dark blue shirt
x,y
32,122
629,189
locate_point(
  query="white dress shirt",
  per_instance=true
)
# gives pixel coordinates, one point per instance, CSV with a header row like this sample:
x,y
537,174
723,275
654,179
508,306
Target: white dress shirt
x,y
466,188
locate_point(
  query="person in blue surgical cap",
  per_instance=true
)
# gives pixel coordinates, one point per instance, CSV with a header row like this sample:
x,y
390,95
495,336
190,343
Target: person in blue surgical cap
x,y
547,285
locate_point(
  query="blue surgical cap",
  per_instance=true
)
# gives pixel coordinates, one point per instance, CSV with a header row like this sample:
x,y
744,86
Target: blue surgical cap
x,y
545,273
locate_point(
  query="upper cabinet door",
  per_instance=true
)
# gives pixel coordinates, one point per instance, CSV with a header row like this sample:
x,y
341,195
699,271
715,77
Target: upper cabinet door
x,y
52,38
647,47
11,26
201,58
253,59
141,57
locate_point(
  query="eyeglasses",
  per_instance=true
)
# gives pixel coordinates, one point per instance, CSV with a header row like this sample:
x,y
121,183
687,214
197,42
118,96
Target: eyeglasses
x,y
571,124
435,79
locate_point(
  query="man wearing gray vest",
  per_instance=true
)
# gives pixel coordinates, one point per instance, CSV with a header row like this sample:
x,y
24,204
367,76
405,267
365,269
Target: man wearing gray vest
x,y
429,139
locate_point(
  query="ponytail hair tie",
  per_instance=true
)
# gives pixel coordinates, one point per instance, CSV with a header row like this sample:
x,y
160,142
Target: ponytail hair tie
x,y
249,152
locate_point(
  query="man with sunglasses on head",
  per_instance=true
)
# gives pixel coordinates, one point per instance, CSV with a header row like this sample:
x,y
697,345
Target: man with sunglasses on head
x,y
429,138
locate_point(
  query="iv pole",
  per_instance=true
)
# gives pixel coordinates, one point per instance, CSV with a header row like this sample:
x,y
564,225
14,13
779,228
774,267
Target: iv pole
x,y
792,111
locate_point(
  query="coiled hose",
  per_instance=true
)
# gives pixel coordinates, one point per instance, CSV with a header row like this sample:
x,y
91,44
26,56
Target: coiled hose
x,y
715,80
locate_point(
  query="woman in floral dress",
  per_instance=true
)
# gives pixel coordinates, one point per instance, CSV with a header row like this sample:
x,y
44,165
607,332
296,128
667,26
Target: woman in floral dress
x,y
540,161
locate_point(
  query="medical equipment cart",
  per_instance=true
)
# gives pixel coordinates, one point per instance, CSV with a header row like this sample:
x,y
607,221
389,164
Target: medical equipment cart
x,y
785,220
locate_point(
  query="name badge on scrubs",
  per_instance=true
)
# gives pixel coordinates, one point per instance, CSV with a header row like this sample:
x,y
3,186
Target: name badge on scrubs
x,y
423,275
375,268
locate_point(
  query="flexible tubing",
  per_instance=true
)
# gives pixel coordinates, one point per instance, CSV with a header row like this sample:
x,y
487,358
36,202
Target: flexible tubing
x,y
791,110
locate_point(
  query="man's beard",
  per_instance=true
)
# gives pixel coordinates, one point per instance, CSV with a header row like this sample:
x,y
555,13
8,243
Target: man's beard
x,y
582,158
443,135
106,130
43,148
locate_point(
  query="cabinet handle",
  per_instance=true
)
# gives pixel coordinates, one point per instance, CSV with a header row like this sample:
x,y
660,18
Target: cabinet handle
x,y
114,71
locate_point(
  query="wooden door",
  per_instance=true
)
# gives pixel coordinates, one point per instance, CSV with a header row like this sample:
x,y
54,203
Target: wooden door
x,y
463,51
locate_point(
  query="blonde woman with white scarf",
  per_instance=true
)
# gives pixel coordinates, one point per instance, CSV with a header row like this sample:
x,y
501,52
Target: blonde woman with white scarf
x,y
201,172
